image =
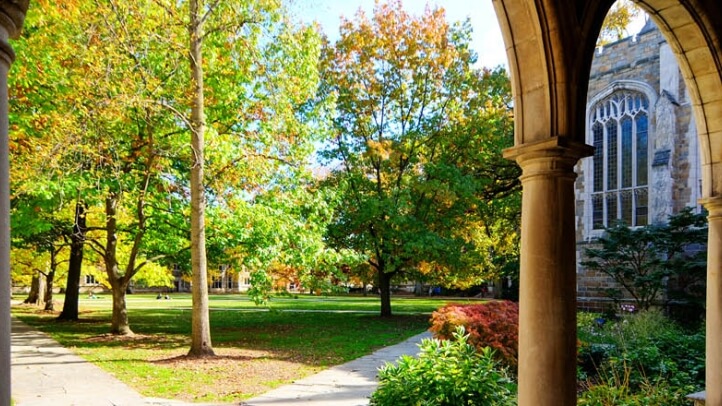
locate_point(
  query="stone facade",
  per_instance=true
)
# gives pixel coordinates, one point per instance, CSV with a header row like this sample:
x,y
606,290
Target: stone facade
x,y
642,64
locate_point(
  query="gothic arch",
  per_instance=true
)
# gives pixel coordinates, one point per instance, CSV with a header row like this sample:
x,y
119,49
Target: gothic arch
x,y
550,48
550,45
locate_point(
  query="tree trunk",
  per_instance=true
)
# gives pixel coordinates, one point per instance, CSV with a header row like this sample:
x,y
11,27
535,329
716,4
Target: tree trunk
x,y
37,290
118,283
72,287
200,331
119,322
385,292
50,279
49,305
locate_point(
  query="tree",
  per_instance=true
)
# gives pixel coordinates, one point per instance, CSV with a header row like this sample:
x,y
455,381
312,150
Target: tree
x,y
201,330
45,166
643,259
417,132
282,228
75,264
125,120
40,240
617,21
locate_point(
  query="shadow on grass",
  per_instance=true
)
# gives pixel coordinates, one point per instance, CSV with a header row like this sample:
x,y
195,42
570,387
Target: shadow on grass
x,y
312,338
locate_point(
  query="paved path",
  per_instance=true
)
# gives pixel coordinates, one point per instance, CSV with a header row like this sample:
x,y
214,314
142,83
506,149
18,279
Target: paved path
x,y
349,384
44,373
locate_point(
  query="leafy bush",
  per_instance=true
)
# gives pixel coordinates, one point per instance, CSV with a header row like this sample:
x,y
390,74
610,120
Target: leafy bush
x,y
648,260
644,354
446,373
492,324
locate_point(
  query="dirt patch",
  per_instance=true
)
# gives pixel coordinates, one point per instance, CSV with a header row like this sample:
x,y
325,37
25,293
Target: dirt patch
x,y
237,373
111,338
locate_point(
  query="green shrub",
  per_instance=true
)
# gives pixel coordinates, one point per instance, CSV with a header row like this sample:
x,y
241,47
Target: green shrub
x,y
493,324
657,349
643,356
446,373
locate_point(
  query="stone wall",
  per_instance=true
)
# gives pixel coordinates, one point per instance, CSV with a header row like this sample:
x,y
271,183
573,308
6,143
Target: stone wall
x,y
643,61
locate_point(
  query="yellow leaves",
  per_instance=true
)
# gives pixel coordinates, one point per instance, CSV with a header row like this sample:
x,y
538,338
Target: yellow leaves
x,y
378,150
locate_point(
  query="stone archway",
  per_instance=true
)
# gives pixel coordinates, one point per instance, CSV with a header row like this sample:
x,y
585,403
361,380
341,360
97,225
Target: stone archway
x,y
550,44
690,29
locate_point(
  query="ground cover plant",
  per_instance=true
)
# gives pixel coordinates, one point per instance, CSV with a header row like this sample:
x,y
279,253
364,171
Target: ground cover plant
x,y
258,348
640,359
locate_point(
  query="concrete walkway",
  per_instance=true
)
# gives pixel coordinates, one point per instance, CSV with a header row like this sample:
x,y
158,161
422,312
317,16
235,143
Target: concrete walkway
x,y
349,384
44,373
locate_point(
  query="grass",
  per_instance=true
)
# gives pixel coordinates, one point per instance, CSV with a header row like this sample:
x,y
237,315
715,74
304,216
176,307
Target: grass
x,y
258,348
371,304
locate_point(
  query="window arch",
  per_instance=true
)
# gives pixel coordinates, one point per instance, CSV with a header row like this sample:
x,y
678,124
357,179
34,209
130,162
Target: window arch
x,y
619,131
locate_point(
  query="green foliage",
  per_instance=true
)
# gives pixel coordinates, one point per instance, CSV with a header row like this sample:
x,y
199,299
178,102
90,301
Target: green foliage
x,y
493,324
641,259
414,149
617,392
111,123
261,285
643,355
445,373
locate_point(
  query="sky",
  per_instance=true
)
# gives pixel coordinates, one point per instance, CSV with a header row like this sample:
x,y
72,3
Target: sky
x,y
486,41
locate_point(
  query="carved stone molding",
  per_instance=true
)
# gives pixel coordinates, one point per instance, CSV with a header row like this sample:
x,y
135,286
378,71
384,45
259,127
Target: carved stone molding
x,y
12,16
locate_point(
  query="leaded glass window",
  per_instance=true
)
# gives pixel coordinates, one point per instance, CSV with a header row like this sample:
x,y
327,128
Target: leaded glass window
x,y
620,134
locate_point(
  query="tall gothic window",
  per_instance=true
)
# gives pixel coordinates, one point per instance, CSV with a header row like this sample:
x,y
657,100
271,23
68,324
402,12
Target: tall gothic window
x,y
619,128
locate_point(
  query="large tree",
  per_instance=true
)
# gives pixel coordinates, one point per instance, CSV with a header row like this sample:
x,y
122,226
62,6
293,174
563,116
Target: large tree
x,y
415,146
144,96
47,158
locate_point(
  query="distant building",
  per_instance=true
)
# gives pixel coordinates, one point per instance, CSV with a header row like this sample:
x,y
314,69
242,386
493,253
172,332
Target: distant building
x,y
225,280
646,165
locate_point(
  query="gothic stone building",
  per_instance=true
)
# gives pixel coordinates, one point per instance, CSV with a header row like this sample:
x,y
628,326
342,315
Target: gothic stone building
x,y
646,161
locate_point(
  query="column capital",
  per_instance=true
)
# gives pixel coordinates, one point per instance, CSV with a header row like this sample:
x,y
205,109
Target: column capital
x,y
713,205
554,155
561,147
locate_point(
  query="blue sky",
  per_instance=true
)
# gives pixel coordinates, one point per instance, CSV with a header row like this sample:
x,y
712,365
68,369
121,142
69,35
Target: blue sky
x,y
487,40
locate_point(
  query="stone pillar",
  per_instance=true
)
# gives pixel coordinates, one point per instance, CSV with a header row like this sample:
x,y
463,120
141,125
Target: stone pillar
x,y
547,297
713,360
12,14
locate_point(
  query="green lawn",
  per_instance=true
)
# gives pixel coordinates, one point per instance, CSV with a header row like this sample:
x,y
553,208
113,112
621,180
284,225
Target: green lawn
x,y
371,304
259,348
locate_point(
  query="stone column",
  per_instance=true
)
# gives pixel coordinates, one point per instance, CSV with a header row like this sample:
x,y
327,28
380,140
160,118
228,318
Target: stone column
x,y
12,14
547,297
713,370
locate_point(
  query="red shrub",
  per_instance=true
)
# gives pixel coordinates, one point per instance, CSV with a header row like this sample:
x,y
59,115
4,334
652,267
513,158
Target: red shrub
x,y
492,324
